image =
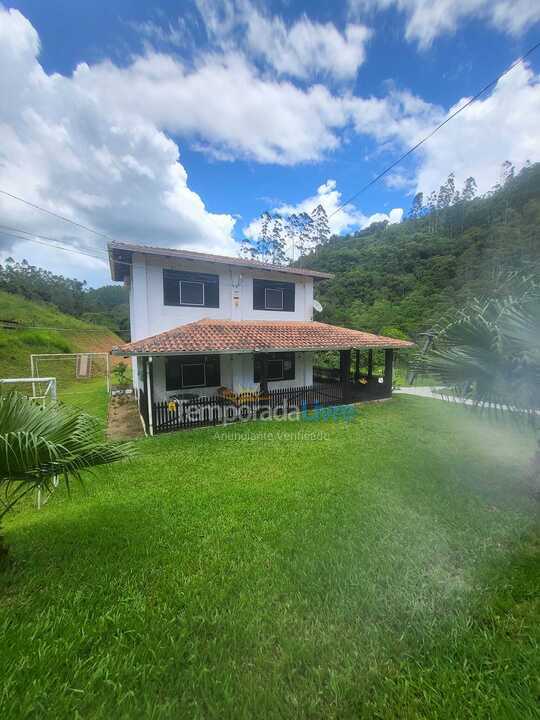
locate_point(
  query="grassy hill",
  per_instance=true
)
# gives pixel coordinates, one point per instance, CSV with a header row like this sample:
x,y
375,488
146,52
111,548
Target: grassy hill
x,y
44,329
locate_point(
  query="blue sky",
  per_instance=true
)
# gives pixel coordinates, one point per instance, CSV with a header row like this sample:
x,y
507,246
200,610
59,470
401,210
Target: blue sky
x,y
178,123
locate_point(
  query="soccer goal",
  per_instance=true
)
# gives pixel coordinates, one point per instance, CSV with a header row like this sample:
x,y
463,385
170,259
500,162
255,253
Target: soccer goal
x,y
75,373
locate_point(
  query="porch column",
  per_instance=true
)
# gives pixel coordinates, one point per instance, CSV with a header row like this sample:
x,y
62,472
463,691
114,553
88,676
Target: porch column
x,y
370,364
149,394
344,365
356,365
264,373
388,369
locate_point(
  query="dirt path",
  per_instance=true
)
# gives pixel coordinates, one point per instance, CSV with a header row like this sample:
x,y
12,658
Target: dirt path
x,y
124,422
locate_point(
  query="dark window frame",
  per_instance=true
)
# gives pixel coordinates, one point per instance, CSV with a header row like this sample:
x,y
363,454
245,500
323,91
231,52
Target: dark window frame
x,y
281,357
174,373
273,290
193,364
172,288
276,377
288,294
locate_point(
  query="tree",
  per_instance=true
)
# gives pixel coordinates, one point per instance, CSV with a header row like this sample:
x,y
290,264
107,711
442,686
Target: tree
x,y
508,172
291,229
445,198
469,189
417,206
277,244
432,210
39,444
321,226
306,235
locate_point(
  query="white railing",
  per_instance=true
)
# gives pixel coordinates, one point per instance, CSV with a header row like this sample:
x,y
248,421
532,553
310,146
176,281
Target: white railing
x,y
49,382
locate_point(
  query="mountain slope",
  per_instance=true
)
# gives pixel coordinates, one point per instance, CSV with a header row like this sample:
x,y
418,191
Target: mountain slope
x,y
43,329
407,276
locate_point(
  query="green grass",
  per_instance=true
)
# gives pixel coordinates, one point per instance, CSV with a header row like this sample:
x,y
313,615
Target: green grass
x,y
72,335
89,396
382,568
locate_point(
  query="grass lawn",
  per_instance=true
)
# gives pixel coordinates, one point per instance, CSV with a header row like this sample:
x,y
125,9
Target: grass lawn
x,y
87,395
381,568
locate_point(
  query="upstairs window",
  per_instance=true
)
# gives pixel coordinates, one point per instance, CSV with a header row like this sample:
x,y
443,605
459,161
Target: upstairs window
x,y
280,366
273,295
192,371
273,298
191,293
188,289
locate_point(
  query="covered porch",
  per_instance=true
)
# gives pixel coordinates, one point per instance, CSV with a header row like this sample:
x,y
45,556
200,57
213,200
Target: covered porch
x,y
216,372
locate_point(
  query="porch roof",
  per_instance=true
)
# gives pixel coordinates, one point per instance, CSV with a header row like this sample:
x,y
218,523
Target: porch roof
x,y
239,336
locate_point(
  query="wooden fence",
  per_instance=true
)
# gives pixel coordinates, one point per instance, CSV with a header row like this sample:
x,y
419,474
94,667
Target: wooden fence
x,y
208,411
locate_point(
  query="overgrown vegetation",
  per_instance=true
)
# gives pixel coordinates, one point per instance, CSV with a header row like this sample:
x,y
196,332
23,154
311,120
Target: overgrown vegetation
x,y
40,328
383,568
452,248
107,306
489,352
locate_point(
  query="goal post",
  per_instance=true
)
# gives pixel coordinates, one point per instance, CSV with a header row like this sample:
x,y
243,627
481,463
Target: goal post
x,y
71,369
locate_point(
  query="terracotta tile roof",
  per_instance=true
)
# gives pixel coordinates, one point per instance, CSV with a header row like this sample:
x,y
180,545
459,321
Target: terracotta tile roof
x,y
120,254
256,336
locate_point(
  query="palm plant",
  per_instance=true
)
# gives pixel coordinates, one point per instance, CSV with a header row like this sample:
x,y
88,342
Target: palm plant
x,y
39,444
489,354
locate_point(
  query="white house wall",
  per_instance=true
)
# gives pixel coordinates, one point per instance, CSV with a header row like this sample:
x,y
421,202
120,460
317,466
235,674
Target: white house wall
x,y
150,316
237,375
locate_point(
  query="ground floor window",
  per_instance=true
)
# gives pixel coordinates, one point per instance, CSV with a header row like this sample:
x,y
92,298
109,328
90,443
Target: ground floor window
x,y
280,367
192,371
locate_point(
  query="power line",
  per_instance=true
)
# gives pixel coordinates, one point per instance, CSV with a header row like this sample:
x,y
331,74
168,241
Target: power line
x,y
56,244
435,130
61,217
44,237
340,207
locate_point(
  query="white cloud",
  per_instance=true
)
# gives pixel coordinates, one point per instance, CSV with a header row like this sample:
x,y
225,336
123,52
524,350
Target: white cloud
x,y
65,148
341,219
224,102
427,19
302,49
94,147
502,127
399,116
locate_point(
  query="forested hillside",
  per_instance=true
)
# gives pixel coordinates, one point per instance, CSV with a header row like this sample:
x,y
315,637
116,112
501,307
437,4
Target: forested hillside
x,y
107,305
394,279
404,277
38,327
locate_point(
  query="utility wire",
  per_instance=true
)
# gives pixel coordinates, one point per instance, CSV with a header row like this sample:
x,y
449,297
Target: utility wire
x,y
56,215
341,206
44,237
56,244
435,130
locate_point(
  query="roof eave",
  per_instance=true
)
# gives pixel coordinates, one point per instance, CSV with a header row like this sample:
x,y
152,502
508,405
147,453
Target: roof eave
x,y
233,351
223,260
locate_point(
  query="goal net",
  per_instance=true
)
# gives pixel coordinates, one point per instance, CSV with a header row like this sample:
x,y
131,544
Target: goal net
x,y
77,374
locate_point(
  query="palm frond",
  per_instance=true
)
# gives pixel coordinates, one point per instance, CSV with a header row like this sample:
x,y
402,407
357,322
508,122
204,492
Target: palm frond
x,y
489,353
38,444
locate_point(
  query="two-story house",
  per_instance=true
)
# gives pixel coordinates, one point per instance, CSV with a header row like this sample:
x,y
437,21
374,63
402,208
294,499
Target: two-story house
x,y
205,325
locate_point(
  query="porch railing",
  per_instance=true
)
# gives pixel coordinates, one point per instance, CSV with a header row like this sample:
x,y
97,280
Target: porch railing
x,y
208,411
